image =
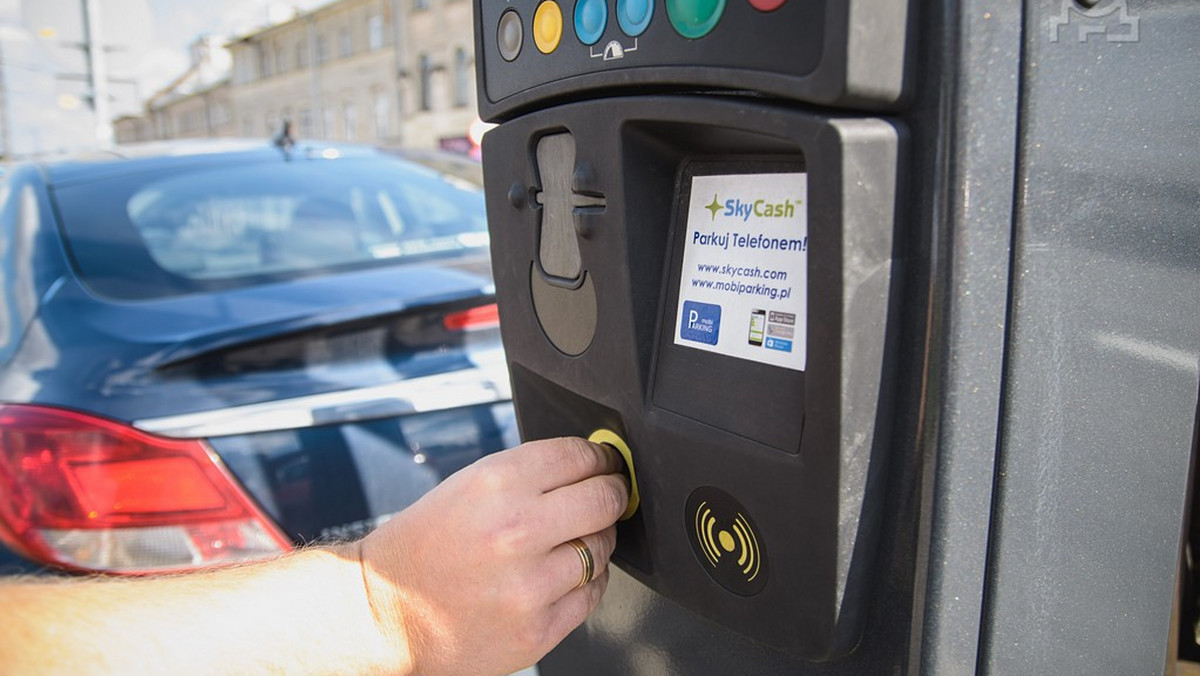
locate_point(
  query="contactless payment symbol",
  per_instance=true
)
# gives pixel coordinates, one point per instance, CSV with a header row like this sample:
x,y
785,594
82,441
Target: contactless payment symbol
x,y
700,322
726,542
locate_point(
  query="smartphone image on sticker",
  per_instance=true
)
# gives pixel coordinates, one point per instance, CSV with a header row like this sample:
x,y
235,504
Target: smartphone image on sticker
x,y
758,324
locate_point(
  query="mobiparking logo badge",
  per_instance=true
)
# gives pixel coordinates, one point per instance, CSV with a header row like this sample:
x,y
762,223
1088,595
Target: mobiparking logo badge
x,y
701,322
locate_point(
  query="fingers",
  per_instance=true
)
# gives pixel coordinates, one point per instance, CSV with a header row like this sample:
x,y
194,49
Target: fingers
x,y
585,507
566,565
554,463
572,609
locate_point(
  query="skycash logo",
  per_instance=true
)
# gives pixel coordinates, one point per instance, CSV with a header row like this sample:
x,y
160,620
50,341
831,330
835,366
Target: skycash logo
x,y
744,209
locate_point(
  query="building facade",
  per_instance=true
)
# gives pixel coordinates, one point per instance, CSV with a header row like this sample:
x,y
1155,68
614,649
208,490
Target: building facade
x,y
437,73
197,104
387,72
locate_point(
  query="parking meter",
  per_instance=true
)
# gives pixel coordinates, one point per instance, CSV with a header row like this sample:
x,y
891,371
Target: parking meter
x,y
697,265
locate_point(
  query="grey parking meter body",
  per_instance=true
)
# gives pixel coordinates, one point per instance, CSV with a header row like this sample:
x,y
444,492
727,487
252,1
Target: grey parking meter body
x,y
790,254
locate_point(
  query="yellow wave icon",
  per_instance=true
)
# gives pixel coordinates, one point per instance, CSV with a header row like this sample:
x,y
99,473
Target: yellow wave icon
x,y
722,544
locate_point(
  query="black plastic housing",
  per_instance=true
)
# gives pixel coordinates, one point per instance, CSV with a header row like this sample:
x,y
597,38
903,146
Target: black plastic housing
x,y
808,473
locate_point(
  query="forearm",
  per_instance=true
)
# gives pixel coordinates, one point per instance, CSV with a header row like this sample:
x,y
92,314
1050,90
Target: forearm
x,y
479,577
306,613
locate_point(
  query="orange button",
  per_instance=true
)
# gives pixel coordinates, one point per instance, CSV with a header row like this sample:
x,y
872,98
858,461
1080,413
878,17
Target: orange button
x,y
547,26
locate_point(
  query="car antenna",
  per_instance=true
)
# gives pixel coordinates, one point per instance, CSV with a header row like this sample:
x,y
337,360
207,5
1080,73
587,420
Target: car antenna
x,y
284,140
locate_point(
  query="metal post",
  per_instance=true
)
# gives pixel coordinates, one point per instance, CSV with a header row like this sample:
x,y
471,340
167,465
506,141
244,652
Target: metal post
x,y
317,109
97,72
400,48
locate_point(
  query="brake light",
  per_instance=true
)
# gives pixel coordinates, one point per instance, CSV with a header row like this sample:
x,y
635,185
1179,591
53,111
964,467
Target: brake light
x,y
473,319
89,493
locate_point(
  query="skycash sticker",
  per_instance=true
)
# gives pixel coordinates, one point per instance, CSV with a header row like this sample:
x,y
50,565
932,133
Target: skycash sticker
x,y
745,264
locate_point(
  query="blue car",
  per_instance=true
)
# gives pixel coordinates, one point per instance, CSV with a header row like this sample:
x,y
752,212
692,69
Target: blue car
x,y
212,353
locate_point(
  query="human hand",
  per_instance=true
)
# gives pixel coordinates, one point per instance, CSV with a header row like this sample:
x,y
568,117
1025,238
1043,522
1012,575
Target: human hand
x,y
477,576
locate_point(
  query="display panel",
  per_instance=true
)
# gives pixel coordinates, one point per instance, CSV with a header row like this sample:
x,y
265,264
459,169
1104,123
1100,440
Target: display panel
x,y
745,268
735,311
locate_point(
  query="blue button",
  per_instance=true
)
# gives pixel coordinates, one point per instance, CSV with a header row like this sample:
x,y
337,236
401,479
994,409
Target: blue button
x,y
591,18
633,16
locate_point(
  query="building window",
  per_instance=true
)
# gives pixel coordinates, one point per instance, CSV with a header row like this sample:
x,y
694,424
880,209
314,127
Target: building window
x,y
420,5
344,46
375,32
329,122
350,118
302,54
248,127
218,115
306,123
425,68
383,113
245,67
462,78
267,67
281,65
322,49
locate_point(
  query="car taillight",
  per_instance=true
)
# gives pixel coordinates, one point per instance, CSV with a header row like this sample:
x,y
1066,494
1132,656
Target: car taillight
x,y
88,493
481,317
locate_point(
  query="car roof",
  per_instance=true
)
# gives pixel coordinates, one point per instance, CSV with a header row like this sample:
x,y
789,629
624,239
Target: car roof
x,y
83,168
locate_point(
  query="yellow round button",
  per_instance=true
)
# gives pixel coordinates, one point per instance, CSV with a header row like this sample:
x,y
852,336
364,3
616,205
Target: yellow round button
x,y
604,436
547,26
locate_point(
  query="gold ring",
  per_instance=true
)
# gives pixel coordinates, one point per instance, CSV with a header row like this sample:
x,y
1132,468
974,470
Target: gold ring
x,y
589,563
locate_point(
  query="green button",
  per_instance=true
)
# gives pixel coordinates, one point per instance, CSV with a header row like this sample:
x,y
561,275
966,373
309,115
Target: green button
x,y
694,18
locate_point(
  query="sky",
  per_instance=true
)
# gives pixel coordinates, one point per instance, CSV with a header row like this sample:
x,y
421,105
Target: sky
x,y
148,42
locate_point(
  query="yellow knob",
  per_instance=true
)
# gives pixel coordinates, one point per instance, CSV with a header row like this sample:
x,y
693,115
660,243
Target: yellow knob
x,y
603,436
547,26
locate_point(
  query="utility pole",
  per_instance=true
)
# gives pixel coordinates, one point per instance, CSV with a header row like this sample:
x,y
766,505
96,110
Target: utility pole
x,y
314,83
400,47
97,72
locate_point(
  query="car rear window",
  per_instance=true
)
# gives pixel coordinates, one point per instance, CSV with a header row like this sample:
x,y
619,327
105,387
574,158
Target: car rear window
x,y
208,227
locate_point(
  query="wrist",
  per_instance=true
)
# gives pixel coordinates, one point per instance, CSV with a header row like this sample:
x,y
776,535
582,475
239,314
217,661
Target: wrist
x,y
381,616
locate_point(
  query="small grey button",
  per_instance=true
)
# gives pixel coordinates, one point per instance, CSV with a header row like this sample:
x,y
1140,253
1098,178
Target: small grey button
x,y
510,35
